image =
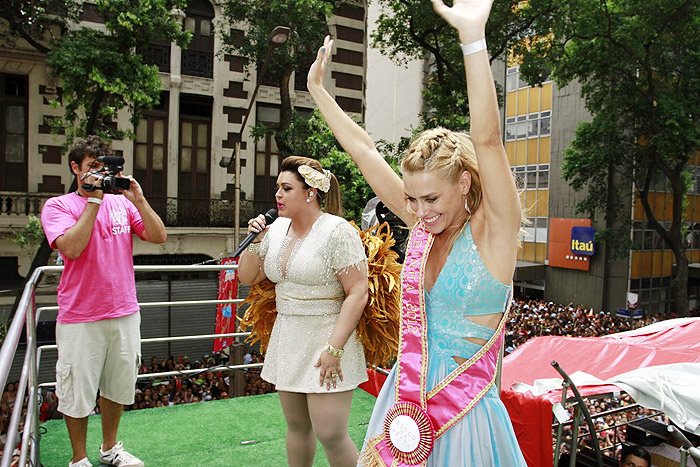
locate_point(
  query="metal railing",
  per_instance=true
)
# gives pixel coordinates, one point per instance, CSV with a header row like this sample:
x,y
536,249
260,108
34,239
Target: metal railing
x,y
198,63
582,416
28,381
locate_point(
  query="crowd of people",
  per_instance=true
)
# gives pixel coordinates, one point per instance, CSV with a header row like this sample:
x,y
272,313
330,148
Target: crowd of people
x,y
611,428
209,384
533,318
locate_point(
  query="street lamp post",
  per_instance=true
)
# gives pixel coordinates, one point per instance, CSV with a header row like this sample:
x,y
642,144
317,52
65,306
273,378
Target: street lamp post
x,y
277,37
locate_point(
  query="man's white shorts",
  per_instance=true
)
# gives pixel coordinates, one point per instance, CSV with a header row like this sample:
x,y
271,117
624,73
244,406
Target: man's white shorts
x,y
102,355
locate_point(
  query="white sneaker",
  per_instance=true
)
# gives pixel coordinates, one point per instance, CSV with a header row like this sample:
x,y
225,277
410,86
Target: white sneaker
x,y
84,462
118,457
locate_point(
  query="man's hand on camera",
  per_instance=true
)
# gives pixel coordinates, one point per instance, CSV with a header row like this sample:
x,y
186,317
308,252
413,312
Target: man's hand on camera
x,y
93,180
134,193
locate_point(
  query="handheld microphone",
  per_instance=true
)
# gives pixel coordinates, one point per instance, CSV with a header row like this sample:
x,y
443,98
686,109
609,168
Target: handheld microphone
x,y
270,217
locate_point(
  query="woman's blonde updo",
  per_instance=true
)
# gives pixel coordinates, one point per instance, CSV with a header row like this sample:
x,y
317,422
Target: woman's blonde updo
x,y
448,154
331,201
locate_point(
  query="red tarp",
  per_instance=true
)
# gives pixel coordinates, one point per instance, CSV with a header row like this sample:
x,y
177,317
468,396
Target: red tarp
x,y
374,383
673,341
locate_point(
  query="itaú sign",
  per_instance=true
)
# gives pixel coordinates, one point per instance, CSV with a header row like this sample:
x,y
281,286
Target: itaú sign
x,y
582,240
571,243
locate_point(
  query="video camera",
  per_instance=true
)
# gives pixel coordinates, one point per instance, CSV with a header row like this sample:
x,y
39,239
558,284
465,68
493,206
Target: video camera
x,y
111,182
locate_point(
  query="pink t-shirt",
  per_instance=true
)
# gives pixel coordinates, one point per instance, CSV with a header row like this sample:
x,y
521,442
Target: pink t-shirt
x,y
100,283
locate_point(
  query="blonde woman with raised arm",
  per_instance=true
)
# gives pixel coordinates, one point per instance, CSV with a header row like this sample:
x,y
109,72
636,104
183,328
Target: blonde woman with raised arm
x,y
440,406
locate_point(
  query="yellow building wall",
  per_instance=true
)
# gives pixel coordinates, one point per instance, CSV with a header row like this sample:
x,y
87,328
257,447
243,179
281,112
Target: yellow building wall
x,y
542,203
528,252
522,101
530,152
540,252
545,145
534,104
510,104
510,151
546,100
662,207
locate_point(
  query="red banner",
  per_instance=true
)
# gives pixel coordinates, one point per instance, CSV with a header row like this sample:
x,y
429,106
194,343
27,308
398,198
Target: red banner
x,y
226,312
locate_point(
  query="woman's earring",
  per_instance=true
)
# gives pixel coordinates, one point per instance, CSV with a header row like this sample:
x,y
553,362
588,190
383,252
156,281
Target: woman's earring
x,y
308,200
466,206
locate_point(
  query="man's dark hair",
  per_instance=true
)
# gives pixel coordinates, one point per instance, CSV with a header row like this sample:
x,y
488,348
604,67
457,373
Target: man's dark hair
x,y
91,146
634,450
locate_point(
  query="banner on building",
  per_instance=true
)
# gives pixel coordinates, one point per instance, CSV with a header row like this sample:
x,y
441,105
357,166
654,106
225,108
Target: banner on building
x,y
571,244
226,312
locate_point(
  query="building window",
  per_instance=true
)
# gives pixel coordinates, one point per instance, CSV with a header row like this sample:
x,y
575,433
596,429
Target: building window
x,y
533,125
14,102
157,53
543,176
151,155
531,180
198,57
512,79
510,129
653,293
545,123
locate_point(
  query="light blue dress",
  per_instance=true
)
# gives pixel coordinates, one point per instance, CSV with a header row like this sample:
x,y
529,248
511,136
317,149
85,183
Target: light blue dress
x,y
484,437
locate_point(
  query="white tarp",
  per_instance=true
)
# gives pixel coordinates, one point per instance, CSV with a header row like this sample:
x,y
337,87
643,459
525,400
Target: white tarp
x,y
674,389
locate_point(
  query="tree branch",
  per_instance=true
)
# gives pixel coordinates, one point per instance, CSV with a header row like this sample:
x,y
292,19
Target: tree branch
x,y
16,27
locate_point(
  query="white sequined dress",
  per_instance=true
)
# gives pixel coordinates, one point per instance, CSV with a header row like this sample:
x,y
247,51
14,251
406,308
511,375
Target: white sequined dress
x,y
309,297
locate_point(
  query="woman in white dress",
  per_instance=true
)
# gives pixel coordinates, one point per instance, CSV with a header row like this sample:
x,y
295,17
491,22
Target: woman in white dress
x,y
318,264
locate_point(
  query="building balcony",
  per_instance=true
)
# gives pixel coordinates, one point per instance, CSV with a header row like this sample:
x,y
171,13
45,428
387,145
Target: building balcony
x,y
17,206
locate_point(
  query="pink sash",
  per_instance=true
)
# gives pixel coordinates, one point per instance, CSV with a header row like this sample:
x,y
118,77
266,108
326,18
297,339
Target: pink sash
x,y
419,417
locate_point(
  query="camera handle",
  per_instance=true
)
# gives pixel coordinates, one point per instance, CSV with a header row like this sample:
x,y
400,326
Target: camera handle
x,y
89,187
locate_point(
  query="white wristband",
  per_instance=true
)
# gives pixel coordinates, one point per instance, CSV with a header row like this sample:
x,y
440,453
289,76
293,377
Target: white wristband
x,y
95,200
473,47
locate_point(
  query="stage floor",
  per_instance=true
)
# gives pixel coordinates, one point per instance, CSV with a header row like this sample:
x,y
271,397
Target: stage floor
x,y
240,432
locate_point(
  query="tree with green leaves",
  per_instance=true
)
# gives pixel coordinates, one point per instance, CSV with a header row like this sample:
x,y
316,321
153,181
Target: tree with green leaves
x,y
101,69
307,20
410,29
103,72
638,64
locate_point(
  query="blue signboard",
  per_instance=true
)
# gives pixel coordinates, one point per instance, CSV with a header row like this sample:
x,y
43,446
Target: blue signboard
x,y
582,241
636,314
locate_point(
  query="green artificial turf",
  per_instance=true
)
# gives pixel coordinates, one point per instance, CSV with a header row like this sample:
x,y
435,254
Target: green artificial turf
x,y
202,434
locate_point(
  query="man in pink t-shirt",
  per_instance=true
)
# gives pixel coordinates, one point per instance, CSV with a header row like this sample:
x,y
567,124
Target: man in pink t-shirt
x,y
98,326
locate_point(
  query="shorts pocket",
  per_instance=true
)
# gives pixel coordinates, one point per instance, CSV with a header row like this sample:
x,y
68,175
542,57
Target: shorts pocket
x,y
64,383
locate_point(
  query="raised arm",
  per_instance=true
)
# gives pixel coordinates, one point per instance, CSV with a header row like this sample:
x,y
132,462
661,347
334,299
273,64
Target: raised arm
x,y
501,202
356,142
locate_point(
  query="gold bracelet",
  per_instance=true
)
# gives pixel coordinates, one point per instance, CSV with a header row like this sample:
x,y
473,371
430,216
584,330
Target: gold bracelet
x,y
254,248
337,353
